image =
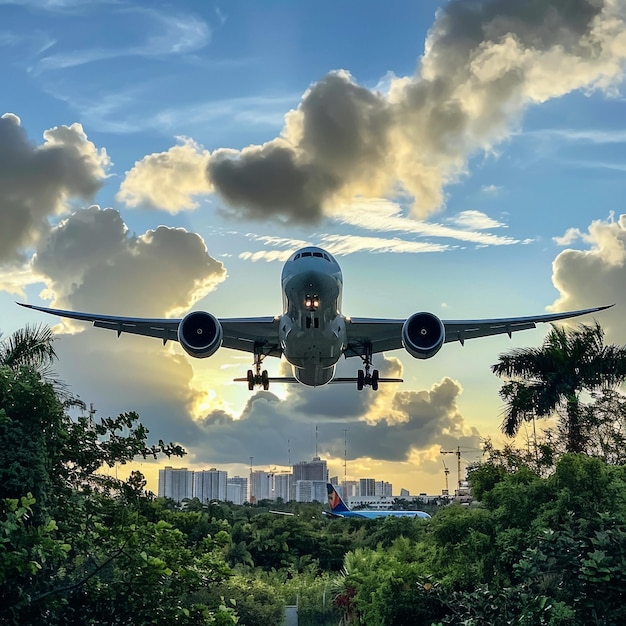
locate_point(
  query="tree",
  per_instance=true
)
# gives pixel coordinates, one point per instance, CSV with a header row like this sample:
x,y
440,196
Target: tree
x,y
30,346
542,380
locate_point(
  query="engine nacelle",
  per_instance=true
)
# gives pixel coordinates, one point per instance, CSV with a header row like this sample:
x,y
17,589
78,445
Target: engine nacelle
x,y
200,334
423,335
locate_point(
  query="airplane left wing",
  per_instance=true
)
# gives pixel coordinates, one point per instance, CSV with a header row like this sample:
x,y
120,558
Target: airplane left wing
x,y
239,333
379,335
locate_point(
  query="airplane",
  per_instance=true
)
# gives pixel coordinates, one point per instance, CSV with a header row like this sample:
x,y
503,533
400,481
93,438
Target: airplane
x,y
312,333
338,508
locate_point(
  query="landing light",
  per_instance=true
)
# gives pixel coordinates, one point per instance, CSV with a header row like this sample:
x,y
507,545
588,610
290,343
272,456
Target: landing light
x,y
311,302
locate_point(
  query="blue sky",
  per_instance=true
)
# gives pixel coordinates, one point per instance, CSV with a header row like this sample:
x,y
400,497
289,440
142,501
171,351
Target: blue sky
x,y
463,158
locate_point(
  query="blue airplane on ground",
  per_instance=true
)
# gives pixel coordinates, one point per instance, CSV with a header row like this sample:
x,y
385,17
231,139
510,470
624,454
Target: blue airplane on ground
x,y
338,508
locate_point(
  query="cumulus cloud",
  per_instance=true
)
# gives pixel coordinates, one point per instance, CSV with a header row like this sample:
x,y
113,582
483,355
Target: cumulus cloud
x,y
483,64
90,262
36,182
388,425
595,275
168,180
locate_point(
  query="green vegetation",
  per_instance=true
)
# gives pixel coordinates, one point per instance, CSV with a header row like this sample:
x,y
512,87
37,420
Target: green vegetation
x,y
545,545
554,376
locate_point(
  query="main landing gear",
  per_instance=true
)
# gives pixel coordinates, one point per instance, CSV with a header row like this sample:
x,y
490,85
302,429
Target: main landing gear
x,y
258,377
364,378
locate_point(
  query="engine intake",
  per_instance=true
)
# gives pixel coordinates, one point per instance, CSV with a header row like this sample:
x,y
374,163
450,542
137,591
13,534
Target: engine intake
x,y
200,334
423,335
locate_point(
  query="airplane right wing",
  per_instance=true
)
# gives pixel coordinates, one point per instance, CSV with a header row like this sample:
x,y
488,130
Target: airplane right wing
x,y
380,335
460,330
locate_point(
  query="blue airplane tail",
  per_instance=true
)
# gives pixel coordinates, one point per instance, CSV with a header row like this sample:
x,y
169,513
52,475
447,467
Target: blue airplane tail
x,y
336,504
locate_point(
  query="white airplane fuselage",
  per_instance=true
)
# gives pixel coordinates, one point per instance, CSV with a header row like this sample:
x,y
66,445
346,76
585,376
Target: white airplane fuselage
x,y
312,330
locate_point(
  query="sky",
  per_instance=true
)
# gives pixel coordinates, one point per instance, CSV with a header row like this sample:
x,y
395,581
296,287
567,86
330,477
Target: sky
x,y
465,157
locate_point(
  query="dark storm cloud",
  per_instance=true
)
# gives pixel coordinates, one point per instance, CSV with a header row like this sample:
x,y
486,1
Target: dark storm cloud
x,y
36,181
484,62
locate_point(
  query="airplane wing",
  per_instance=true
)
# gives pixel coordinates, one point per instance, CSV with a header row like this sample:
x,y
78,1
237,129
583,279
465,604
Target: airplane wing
x,y
239,333
386,334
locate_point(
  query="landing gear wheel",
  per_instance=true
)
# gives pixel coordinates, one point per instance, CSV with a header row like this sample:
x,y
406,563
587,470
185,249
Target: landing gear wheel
x,y
360,380
265,380
250,380
374,383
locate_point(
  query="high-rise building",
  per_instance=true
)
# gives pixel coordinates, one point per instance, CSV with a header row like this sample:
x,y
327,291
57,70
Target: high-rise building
x,y
176,484
261,487
383,488
210,485
282,486
349,489
308,470
311,491
367,487
237,490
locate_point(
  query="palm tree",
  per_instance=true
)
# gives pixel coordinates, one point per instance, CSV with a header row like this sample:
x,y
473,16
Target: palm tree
x,y
541,380
30,346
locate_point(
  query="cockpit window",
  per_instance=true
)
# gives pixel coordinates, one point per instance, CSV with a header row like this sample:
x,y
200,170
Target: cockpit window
x,y
317,254
297,256
306,254
326,257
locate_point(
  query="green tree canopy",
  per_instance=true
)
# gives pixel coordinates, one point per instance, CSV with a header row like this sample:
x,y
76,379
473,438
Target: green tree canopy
x,y
541,380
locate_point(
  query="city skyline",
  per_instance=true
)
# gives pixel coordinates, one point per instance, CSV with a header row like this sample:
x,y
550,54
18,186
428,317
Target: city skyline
x,y
179,483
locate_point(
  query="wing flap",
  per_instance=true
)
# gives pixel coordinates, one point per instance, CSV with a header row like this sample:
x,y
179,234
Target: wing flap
x,y
382,335
249,334
166,332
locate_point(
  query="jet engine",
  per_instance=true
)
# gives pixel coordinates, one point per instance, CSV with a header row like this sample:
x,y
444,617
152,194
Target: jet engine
x,y
200,334
423,335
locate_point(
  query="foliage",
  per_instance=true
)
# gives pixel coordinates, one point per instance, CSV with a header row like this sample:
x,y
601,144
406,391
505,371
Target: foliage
x,y
256,602
312,592
545,545
540,380
31,346
79,548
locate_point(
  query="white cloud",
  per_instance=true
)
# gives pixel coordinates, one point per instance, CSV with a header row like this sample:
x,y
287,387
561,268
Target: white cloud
x,y
165,33
167,180
595,275
483,65
385,216
475,220
37,182
91,263
491,189
571,235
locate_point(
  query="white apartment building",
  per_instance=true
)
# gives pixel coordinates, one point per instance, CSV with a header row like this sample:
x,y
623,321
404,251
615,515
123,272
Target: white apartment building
x,y
176,484
282,486
210,485
261,485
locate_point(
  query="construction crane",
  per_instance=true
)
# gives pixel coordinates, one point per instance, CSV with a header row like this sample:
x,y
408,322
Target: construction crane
x,y
446,471
458,459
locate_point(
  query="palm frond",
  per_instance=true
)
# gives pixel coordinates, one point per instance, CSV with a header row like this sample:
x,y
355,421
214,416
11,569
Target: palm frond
x,y
31,346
